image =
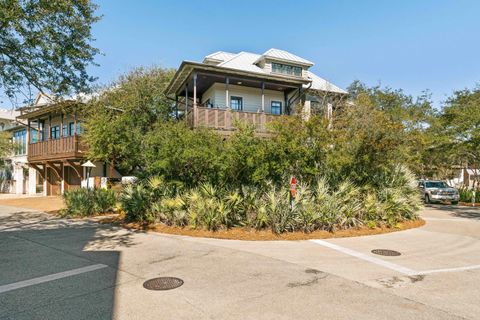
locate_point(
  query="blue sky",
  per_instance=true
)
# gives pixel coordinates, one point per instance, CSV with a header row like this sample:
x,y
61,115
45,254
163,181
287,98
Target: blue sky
x,y
414,45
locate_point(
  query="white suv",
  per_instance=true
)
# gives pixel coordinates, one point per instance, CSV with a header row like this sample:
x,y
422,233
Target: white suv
x,y
438,191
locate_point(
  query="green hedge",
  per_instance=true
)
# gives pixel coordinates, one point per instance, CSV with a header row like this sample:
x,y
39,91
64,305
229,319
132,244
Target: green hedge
x,y
86,202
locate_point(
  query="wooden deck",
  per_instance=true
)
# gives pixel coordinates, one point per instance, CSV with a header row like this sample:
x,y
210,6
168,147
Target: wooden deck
x,y
226,119
56,149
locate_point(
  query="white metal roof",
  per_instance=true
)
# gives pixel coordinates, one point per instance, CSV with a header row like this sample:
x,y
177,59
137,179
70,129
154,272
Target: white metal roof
x,y
322,84
243,61
286,56
247,61
8,114
473,172
220,56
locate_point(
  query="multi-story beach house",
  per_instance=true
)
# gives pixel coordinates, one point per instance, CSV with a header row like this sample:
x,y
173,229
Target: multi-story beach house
x,y
54,149
254,88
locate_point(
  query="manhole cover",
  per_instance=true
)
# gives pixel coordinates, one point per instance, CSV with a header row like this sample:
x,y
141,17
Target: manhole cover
x,y
163,283
386,252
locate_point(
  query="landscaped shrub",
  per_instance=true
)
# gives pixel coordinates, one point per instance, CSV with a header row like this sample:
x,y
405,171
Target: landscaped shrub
x,y
86,202
171,211
466,195
105,200
135,200
399,197
141,201
319,206
79,202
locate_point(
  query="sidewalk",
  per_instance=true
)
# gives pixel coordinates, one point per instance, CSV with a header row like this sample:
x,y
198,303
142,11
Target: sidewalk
x,y
41,203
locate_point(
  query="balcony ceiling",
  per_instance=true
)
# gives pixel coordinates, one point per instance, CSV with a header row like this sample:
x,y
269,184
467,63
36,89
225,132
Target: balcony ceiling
x,y
218,74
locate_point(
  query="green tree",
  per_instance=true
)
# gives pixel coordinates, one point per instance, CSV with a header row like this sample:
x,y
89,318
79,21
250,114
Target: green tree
x,y
183,155
368,143
299,147
6,146
413,116
458,130
117,121
45,45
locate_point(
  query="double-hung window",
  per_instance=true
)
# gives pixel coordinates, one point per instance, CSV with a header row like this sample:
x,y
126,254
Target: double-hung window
x,y
20,140
71,129
236,103
79,128
276,107
55,132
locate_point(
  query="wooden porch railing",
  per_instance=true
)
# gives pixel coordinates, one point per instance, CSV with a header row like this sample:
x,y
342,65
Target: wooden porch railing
x,y
64,147
225,119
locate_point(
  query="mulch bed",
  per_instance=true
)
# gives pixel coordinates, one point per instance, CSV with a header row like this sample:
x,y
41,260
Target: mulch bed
x,y
469,204
52,205
239,233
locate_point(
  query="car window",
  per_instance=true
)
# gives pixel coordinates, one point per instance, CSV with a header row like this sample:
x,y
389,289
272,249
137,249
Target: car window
x,y
436,184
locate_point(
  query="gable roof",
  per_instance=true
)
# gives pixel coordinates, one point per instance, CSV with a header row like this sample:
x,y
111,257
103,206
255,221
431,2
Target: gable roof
x,y
220,56
243,61
247,62
283,55
322,84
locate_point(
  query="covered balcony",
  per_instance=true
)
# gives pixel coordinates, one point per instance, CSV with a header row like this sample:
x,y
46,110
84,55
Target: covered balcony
x,y
56,149
53,136
226,119
218,98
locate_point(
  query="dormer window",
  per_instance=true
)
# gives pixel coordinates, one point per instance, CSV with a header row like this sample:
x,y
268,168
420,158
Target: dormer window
x,y
286,69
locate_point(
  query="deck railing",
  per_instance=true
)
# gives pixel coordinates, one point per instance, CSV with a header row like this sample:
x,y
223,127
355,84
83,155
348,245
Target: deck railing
x,y
226,119
55,148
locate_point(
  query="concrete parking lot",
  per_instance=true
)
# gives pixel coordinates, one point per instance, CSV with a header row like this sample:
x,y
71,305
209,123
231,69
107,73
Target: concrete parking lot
x,y
70,269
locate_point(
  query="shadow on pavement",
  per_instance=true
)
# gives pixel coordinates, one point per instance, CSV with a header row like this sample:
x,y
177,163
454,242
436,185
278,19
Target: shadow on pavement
x,y
458,211
29,251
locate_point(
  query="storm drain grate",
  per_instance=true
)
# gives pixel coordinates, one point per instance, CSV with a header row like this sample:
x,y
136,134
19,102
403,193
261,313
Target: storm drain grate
x,y
163,283
386,252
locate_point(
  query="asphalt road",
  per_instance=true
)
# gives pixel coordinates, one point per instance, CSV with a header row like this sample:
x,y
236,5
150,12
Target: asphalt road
x,y
67,269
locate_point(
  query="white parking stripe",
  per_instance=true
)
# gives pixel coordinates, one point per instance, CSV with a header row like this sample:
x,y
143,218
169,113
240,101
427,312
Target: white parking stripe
x,y
368,258
51,277
450,269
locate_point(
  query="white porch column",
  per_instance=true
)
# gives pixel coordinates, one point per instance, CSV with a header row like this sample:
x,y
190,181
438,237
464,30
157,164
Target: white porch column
x,y
307,110
62,183
186,100
32,181
18,178
45,184
263,97
194,99
329,111
330,115
227,104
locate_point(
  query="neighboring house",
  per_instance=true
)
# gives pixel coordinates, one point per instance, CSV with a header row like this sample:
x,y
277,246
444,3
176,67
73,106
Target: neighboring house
x,y
251,87
14,173
55,150
466,177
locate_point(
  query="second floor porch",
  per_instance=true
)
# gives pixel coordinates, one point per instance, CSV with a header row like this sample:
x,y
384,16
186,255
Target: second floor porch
x,y
226,119
63,148
218,101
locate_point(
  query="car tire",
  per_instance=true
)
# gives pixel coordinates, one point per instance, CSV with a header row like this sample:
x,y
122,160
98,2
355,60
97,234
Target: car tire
x,y
454,203
427,199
